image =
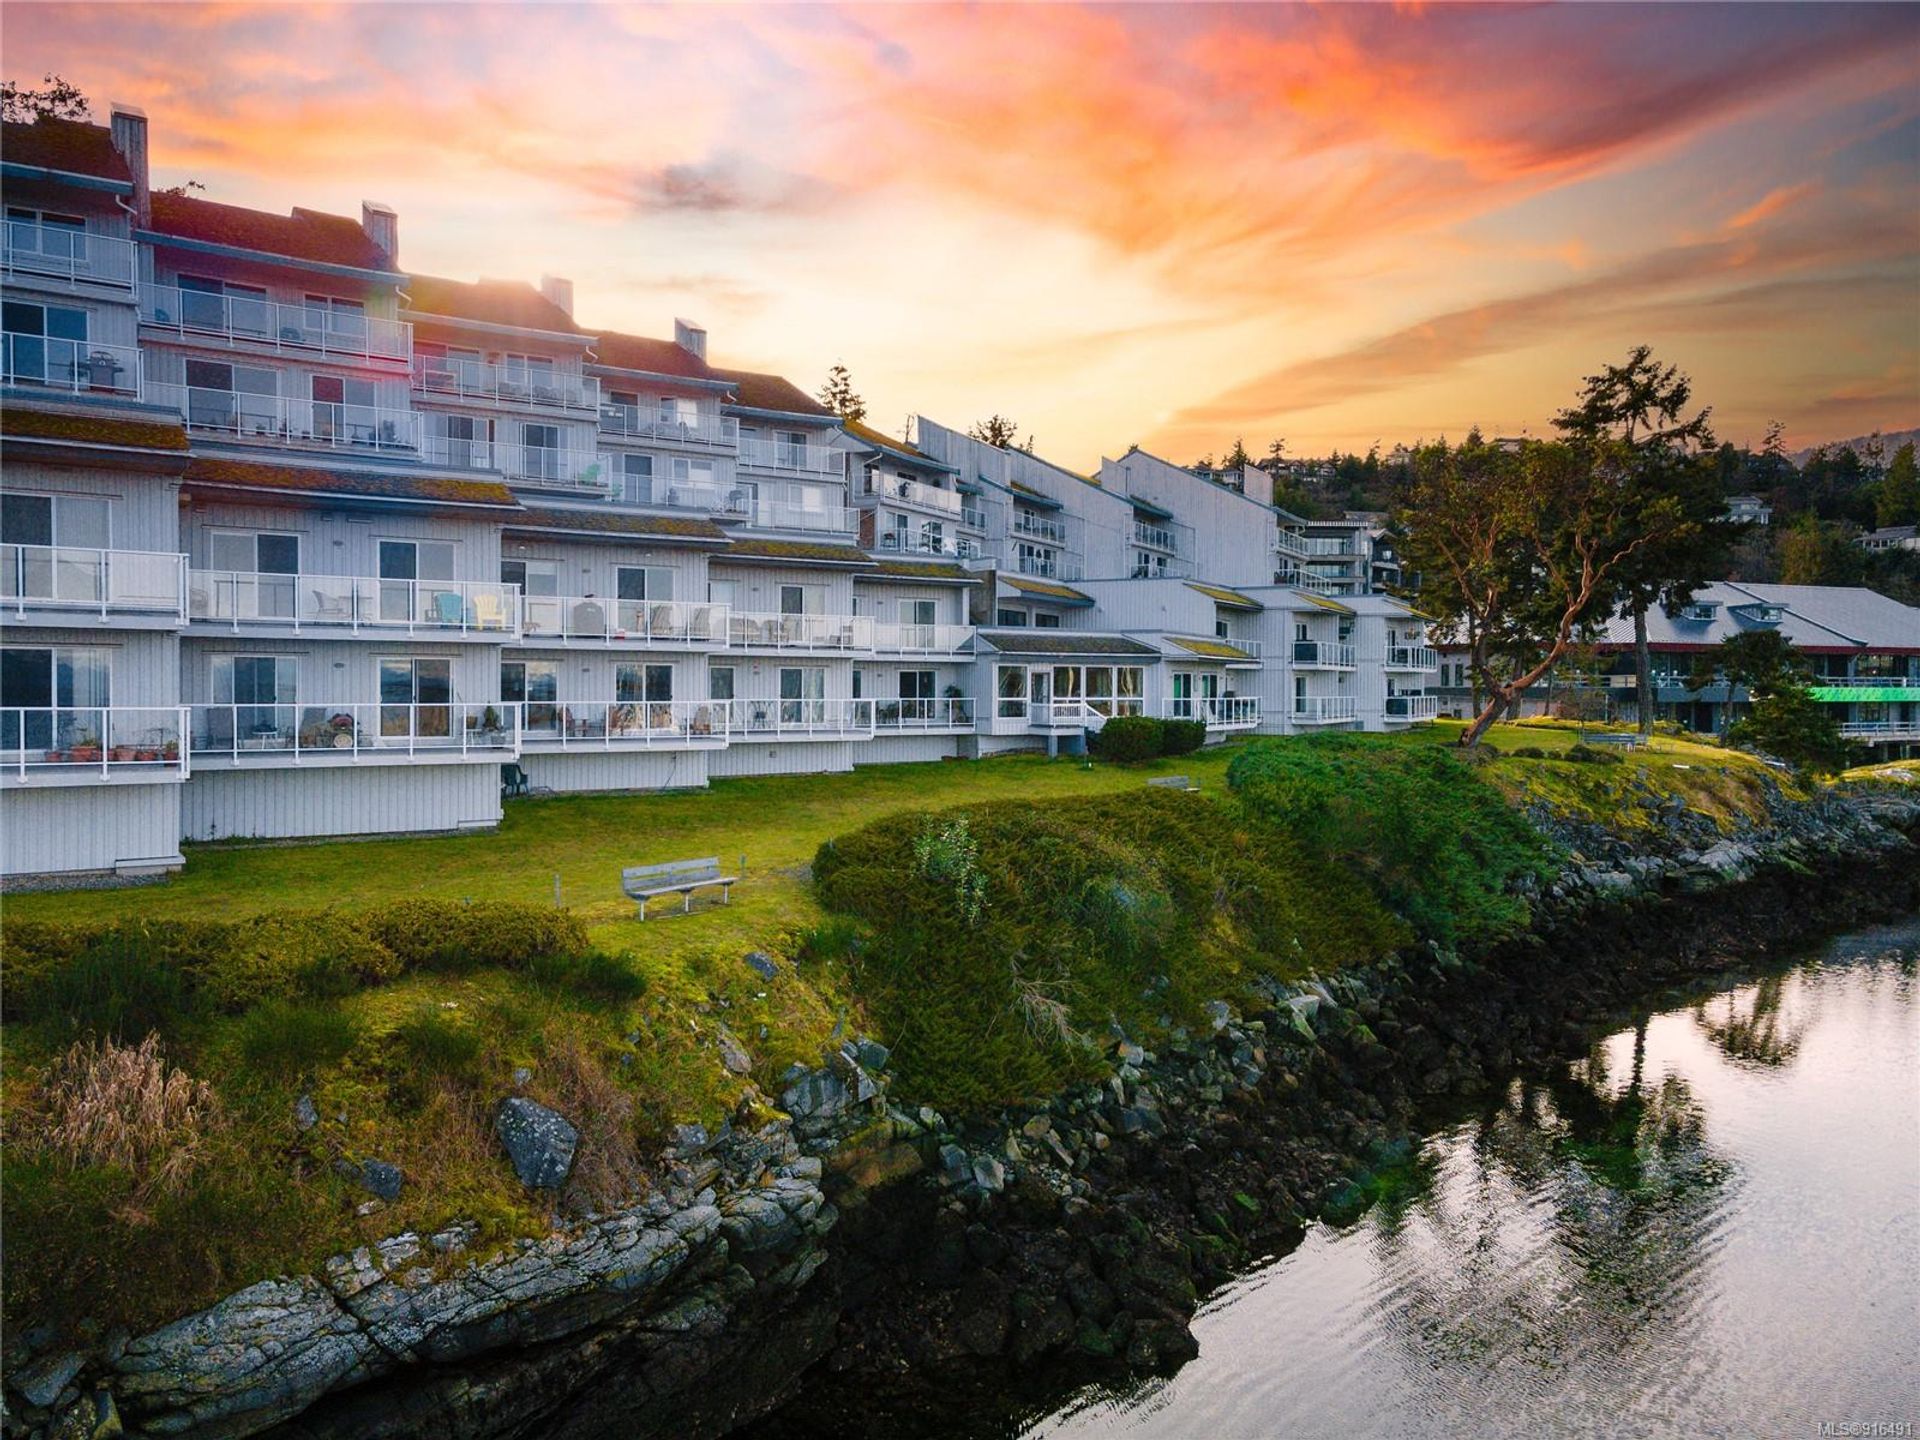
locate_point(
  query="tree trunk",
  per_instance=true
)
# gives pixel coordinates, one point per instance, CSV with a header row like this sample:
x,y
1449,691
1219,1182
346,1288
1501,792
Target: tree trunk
x,y
1643,668
1496,706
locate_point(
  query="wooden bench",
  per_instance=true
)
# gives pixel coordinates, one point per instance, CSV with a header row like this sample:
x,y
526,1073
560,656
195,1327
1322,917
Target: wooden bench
x,y
1614,737
676,877
1174,782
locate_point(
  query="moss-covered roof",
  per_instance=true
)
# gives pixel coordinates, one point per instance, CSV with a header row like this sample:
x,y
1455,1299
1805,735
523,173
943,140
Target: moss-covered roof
x,y
73,147
1036,497
618,522
907,570
1325,602
438,489
1210,649
512,303
1222,595
1047,589
772,392
20,423
1065,642
802,552
901,448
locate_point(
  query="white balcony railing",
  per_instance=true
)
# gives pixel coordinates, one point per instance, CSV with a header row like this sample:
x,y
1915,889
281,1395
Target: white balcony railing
x,y
973,517
718,431
800,718
1289,542
764,513
79,367
1156,537
1322,655
1320,547
109,582
1045,565
949,712
1881,730
516,385
312,330
547,467
241,599
1081,714
917,493
891,638
1411,657
1412,707
1323,709
1289,573
764,454
285,420
61,252
637,622
307,732
105,742
622,724
1038,527
1218,712
907,542
801,632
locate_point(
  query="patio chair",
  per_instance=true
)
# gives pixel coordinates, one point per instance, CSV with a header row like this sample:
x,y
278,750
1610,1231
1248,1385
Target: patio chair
x,y
513,780
489,611
447,609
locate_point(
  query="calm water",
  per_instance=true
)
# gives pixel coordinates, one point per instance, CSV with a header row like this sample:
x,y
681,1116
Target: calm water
x,y
1711,1226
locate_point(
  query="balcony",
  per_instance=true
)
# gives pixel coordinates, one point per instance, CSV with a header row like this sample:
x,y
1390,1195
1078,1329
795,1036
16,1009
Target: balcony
x,y
1155,537
1871,731
951,712
443,609
763,513
1411,657
601,725
642,624
92,745
799,719
915,493
850,633
1044,565
583,471
1075,714
1217,712
66,583
973,518
283,420
1320,548
311,332
1289,573
1323,709
895,639
310,734
74,367
1287,542
762,454
59,252
472,380
1412,708
719,432
1038,527
907,542
1322,655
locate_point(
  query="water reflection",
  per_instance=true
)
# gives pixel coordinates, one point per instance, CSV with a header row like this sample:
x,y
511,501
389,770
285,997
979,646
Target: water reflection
x,y
1710,1224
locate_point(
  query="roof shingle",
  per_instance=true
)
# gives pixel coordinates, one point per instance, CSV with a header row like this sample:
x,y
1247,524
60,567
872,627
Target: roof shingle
x,y
806,551
71,146
1047,590
512,303
907,570
655,357
256,475
772,392
619,522
1065,642
28,424
302,235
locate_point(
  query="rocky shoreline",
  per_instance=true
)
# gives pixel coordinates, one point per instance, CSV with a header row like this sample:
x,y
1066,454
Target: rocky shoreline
x,y
852,1258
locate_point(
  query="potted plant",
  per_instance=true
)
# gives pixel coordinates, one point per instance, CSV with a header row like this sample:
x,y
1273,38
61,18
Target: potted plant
x,y
170,751
119,754
85,747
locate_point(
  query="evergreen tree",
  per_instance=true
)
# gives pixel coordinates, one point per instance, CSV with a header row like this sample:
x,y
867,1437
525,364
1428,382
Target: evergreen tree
x,y
996,429
839,396
1898,502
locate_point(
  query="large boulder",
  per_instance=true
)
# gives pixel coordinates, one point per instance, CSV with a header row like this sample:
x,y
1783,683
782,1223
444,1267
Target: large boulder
x,y
540,1142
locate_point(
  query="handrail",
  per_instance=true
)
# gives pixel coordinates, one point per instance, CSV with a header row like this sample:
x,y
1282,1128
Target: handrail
x,y
653,622
1320,709
1412,707
1325,653
60,576
83,739
355,602
1218,711
765,454
1411,657
787,716
1159,537
913,492
288,419
308,329
1038,527
641,424
28,247
801,632
75,366
465,379
929,713
349,731
890,636
605,724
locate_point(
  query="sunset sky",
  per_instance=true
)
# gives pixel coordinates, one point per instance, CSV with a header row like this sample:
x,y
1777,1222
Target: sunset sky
x,y
1164,225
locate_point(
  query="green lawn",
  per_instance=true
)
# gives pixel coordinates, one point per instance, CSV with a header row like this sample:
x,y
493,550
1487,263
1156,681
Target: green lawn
x,y
776,823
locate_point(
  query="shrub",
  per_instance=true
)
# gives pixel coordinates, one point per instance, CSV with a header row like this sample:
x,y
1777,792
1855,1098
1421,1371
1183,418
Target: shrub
x,y
124,1107
1182,737
1127,739
122,985
446,935
434,1042
280,955
1587,755
592,973
284,1039
1527,752
1790,725
947,855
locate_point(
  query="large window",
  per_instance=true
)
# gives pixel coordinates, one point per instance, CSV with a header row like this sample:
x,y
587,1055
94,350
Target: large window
x,y
45,344
344,410
1010,686
720,682
337,316
459,440
39,232
262,689
49,545
803,600
1012,619
264,566
634,480
642,682
416,697
534,577
404,562
540,451
536,685
239,398
53,697
803,691
222,305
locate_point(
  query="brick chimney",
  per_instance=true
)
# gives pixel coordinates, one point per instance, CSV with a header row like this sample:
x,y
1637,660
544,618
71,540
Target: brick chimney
x,y
382,224
559,291
129,131
690,338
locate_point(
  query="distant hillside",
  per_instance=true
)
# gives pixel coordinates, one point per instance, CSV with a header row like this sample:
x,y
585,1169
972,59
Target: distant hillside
x,y
1890,441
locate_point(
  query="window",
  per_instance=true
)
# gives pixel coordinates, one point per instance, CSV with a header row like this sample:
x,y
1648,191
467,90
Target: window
x,y
933,537
38,232
721,592
534,577
1010,618
633,481
1221,631
336,316
536,685
343,410
255,685
526,371
643,582
1010,686
416,559
208,304
803,690
403,562
263,566
720,682
1043,621
633,683
803,600
238,398
675,410
58,540
916,684
416,698
459,440
540,445
45,344
917,612
1130,684
1100,689
790,449
53,697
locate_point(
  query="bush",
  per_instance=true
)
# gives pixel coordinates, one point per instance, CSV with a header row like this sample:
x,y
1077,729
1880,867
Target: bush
x,y
1587,755
1127,739
435,1042
447,935
594,973
120,986
1182,737
123,1107
281,955
284,1039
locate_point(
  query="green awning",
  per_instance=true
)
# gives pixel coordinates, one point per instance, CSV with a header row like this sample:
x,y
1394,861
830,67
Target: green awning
x,y
1866,694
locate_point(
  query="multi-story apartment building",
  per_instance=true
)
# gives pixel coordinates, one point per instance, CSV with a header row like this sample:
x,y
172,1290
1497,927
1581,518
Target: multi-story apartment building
x,y
297,543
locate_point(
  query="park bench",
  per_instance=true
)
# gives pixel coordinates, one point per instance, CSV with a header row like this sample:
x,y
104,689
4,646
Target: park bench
x,y
1614,737
1173,782
676,877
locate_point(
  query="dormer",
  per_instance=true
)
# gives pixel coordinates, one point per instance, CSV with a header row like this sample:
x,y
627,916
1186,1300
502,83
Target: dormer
x,y
1760,613
1699,611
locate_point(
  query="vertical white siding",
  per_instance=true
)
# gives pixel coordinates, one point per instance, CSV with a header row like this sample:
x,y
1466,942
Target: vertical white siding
x,y
73,828
375,800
